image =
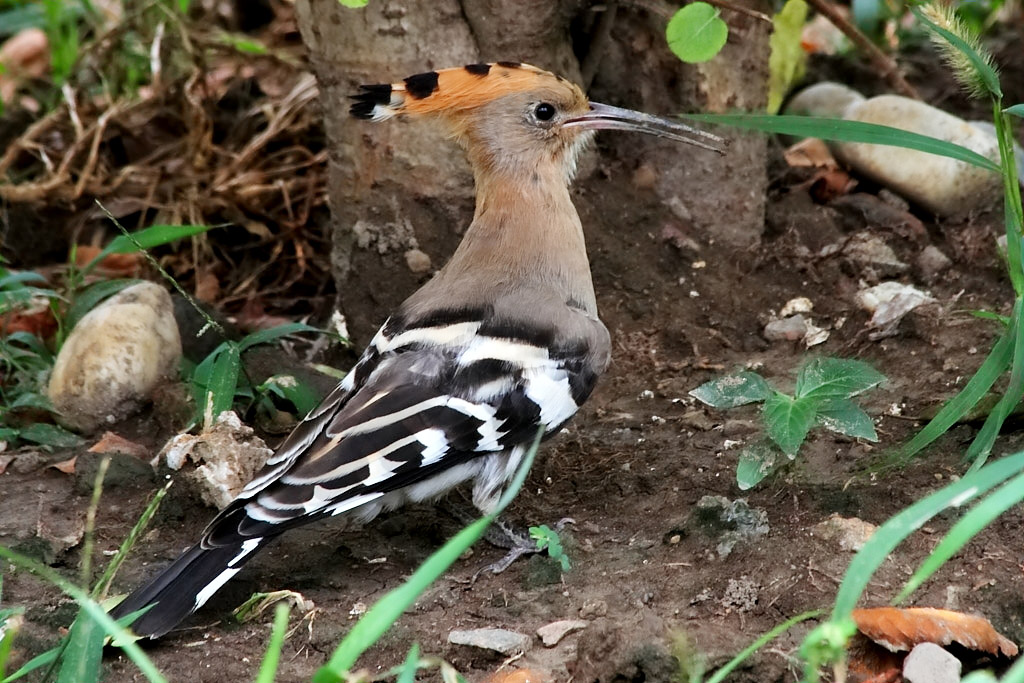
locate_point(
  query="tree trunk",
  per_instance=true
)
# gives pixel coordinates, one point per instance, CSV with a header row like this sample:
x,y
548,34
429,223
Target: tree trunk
x,y
401,195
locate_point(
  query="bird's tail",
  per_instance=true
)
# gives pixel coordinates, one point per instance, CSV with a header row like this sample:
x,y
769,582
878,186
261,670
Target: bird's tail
x,y
184,586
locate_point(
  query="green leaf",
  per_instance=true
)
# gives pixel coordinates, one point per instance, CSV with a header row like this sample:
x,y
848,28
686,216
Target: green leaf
x,y
824,378
788,59
843,416
696,33
1015,110
977,386
291,389
269,335
90,297
847,131
756,462
354,4
220,392
268,668
787,421
50,435
153,236
981,515
723,673
84,653
733,390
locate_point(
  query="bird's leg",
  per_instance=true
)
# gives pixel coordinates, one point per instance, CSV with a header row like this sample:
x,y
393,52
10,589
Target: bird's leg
x,y
500,534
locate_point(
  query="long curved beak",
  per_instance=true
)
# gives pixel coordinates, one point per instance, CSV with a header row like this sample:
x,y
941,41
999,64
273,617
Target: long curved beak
x,y
607,117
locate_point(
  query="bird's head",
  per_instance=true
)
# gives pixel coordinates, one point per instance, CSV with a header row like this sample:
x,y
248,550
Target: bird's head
x,y
514,118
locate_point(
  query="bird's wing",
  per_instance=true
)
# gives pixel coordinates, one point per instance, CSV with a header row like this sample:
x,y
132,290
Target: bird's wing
x,y
422,401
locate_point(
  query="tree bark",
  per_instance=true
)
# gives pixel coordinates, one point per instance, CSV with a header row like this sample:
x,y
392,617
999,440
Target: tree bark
x,y
400,193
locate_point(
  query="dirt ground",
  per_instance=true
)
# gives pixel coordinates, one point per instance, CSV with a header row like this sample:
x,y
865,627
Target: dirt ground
x,y
631,470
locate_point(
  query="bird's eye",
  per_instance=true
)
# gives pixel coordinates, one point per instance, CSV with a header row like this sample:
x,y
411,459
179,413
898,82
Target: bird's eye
x,y
544,111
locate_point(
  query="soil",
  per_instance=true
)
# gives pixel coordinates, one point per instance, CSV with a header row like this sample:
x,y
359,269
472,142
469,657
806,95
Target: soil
x,y
648,568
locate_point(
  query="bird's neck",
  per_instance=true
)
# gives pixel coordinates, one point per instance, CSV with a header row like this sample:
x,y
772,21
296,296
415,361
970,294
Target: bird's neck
x,y
525,233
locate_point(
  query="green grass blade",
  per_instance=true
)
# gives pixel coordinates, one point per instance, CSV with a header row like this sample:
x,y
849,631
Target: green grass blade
x,y
977,386
269,335
121,638
898,527
220,391
379,618
765,638
980,448
153,236
84,653
412,661
100,589
268,669
848,131
981,515
37,662
984,69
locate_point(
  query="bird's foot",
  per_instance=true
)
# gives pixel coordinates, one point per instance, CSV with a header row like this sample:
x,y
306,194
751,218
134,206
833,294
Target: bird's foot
x,y
518,544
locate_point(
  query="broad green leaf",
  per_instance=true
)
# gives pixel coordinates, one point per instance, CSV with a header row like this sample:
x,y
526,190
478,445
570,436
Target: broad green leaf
x,y
824,378
843,416
787,421
291,389
847,131
84,653
52,436
31,399
220,392
354,4
1015,110
269,335
788,59
756,462
733,390
696,33
977,386
977,518
90,297
153,236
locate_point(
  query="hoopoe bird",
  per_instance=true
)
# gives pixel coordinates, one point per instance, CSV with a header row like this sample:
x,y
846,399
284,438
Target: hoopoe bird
x,y
502,342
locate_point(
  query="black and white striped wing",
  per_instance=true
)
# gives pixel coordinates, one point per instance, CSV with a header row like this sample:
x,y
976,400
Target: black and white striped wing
x,y
419,413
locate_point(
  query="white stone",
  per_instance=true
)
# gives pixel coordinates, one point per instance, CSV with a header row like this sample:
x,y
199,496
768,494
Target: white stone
x,y
826,100
498,639
114,358
551,634
929,663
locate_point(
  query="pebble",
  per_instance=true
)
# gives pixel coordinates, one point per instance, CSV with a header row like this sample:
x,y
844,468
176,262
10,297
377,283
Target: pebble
x,y
417,261
850,533
497,639
593,608
932,263
551,634
115,357
800,304
792,328
873,251
929,663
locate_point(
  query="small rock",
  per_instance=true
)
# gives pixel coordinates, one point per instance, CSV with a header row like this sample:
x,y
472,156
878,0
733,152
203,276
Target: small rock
x,y
929,663
496,639
644,177
593,608
932,263
417,261
801,304
551,634
888,302
850,533
792,328
115,357
228,455
740,594
873,251
27,462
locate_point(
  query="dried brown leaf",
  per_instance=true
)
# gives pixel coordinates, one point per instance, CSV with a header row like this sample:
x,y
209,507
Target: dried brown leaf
x,y
810,152
902,628
114,443
519,676
65,466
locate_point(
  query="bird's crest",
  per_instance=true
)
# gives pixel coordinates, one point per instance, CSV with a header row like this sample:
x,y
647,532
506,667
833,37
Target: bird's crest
x,y
450,90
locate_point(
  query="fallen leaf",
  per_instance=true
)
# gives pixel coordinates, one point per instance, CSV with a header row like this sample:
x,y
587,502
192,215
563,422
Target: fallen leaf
x,y
902,628
831,183
118,265
113,443
24,55
65,466
38,321
810,152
